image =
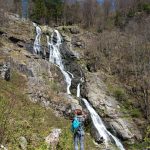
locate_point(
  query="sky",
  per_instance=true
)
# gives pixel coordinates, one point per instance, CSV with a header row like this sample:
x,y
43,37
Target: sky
x,y
100,1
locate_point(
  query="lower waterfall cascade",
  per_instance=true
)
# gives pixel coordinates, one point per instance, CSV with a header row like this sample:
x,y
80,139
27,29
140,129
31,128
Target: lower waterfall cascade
x,y
56,58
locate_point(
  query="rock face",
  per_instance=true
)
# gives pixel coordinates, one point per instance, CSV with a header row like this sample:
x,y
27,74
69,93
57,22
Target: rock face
x,y
110,109
53,138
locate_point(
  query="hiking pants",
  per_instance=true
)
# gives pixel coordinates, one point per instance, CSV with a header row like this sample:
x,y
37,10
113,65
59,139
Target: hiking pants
x,y
78,138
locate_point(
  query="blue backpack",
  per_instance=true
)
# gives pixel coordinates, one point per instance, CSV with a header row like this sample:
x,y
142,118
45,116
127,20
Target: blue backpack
x,y
75,125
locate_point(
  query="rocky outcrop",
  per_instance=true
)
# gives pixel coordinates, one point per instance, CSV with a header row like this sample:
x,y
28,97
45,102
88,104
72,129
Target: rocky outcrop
x,y
109,109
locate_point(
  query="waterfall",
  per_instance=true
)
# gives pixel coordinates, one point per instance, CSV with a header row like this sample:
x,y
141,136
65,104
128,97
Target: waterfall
x,y
78,90
70,74
37,42
55,57
103,132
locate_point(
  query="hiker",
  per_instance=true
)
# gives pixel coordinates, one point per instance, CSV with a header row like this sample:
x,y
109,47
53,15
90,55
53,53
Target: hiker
x,y
78,128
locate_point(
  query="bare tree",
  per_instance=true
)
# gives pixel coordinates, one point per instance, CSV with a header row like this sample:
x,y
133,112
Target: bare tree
x,y
107,5
91,9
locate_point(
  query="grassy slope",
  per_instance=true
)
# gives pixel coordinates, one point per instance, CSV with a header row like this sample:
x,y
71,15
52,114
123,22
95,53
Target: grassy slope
x,y
20,117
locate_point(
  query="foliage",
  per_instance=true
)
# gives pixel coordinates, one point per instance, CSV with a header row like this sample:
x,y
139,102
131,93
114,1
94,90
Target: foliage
x,y
131,13
144,144
120,94
46,10
146,8
54,9
147,137
135,112
66,140
39,13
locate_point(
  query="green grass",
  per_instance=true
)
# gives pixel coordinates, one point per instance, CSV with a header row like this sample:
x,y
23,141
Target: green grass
x,y
20,117
24,118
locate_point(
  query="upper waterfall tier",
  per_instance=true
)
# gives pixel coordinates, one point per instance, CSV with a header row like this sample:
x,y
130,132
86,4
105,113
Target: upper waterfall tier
x,y
55,56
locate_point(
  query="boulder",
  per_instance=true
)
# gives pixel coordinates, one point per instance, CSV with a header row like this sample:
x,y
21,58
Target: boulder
x,y
53,138
23,143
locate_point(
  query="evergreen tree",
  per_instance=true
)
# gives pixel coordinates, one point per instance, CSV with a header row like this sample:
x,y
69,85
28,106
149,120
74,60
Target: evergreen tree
x,y
55,8
40,11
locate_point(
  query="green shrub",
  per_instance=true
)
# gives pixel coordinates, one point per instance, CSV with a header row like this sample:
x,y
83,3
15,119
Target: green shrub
x,y
135,112
119,19
146,8
120,94
65,140
131,13
147,137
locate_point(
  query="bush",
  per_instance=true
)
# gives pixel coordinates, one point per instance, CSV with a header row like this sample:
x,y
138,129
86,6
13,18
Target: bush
x,y
131,13
135,112
119,94
119,19
146,8
147,138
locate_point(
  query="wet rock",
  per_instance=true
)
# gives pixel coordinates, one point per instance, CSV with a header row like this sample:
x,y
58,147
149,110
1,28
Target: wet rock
x,y
23,143
70,63
97,95
96,136
53,138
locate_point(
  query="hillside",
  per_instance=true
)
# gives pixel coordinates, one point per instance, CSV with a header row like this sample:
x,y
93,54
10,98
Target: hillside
x,y
114,66
23,111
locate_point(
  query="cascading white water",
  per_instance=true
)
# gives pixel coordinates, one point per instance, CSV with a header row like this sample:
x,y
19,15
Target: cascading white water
x,y
103,132
71,74
55,57
78,90
78,87
37,42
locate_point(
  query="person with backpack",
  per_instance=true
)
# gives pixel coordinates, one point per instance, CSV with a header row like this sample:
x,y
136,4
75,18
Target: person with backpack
x,y
78,129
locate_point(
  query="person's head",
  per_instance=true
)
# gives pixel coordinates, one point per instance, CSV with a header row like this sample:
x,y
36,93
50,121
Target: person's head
x,y
78,112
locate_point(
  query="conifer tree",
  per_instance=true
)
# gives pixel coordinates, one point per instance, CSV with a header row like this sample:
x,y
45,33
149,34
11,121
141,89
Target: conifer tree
x,y
55,8
40,11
